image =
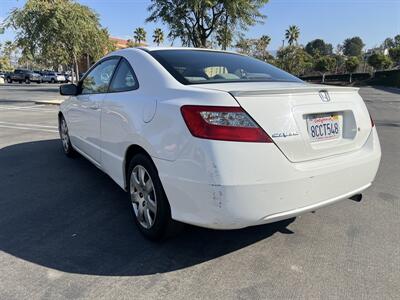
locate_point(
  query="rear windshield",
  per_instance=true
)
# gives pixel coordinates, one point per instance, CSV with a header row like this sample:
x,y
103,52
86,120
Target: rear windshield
x,y
199,66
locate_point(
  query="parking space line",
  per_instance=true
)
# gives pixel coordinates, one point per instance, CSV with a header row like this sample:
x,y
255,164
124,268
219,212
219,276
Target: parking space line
x,y
15,106
28,128
27,124
39,108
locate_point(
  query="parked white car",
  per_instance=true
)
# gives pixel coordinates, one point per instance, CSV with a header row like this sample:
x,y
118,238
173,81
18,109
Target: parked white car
x,y
53,77
217,139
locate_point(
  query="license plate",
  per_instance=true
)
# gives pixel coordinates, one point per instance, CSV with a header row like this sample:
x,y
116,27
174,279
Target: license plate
x,y
323,127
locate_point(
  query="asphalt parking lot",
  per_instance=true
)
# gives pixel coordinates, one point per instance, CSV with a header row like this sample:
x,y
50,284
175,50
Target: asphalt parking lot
x,y
29,92
65,229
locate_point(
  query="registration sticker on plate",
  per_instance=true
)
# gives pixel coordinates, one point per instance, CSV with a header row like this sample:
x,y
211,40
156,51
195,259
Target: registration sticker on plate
x,y
323,127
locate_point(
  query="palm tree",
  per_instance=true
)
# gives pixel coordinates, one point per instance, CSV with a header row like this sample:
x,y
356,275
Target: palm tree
x,y
292,34
261,47
158,36
139,35
264,41
8,49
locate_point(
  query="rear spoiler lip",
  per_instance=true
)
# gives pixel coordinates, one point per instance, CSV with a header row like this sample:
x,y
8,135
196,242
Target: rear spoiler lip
x,y
296,90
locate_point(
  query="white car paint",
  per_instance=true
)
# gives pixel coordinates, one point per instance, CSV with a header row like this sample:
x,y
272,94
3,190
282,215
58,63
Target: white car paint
x,y
220,184
53,76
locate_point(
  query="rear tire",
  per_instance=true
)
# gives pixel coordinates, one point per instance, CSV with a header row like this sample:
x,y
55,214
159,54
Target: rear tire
x,y
149,204
64,136
9,80
27,81
52,80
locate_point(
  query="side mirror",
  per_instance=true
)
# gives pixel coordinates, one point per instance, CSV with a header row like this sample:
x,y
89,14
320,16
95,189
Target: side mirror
x,y
69,90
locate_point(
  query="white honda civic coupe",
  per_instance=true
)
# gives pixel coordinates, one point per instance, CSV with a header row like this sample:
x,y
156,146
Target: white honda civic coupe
x,y
217,139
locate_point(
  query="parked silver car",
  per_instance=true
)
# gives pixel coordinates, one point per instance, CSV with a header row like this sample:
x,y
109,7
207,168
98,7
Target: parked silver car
x,y
53,77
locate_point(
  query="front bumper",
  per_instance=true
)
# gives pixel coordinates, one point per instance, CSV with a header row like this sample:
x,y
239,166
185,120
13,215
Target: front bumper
x,y
227,186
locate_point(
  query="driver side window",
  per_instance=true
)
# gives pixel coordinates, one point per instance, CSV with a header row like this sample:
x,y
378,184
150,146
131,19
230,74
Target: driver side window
x,y
98,80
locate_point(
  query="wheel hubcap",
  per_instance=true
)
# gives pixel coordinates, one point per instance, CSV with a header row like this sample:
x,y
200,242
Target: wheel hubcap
x,y
64,135
143,197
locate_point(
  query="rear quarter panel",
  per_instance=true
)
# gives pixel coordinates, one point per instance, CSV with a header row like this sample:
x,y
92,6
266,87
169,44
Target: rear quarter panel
x,y
149,116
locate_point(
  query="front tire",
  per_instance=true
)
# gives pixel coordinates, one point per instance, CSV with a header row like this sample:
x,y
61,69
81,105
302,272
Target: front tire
x,y
149,204
64,136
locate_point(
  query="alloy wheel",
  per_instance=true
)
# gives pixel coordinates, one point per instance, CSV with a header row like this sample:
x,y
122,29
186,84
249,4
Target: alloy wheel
x,y
64,135
143,197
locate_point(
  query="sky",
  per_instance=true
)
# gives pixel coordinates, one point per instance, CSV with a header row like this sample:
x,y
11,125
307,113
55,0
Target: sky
x,y
331,20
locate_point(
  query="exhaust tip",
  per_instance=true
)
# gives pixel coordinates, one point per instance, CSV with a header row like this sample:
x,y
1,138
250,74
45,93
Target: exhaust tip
x,y
357,197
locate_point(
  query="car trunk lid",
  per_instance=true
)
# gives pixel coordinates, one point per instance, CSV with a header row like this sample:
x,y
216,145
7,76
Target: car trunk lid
x,y
294,113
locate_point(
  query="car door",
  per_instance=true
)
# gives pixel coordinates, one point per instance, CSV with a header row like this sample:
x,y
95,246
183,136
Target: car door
x,y
120,114
18,74
85,112
47,76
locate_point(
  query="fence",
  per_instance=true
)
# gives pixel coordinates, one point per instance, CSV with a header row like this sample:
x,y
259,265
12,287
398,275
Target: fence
x,y
387,78
338,77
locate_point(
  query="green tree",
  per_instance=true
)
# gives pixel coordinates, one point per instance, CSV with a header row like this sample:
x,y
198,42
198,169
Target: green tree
x,y
394,54
195,21
158,36
244,46
397,40
292,34
255,47
5,64
8,48
379,61
294,59
139,35
224,36
131,44
351,65
388,43
325,64
339,63
353,46
263,42
261,46
61,31
318,47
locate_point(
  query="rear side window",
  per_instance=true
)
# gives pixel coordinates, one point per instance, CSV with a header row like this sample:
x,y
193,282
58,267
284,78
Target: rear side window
x,y
124,78
98,79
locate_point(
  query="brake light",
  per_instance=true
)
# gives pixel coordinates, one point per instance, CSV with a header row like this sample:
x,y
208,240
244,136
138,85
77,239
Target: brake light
x,y
224,123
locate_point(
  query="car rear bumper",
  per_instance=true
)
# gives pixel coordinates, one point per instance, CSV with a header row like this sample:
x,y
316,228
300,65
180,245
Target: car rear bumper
x,y
226,186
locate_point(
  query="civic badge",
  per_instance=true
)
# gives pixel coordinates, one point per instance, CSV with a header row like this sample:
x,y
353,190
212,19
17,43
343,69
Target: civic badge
x,y
324,96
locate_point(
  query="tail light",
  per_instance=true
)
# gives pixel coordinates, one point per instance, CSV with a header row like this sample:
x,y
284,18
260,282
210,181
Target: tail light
x,y
224,123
